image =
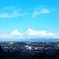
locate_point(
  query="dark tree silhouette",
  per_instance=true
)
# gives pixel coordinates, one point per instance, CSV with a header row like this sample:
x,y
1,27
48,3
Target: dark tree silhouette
x,y
1,53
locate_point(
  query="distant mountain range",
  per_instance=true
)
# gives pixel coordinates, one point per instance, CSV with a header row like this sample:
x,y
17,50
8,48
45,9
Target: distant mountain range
x,y
33,40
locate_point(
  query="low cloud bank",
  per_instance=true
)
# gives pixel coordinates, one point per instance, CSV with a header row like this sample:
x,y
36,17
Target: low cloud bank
x,y
29,34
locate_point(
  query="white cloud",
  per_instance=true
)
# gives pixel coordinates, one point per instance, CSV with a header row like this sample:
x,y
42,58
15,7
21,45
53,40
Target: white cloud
x,y
9,7
35,13
12,12
29,34
16,32
41,11
45,11
9,12
13,35
3,15
36,33
4,36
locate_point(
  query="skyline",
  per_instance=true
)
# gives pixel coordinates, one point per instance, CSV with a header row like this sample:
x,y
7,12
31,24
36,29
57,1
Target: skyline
x,y
29,18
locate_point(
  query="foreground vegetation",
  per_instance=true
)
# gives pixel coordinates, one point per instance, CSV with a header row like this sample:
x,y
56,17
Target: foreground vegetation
x,y
20,55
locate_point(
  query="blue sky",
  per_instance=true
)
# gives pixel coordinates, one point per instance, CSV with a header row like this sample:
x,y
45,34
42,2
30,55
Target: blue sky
x,y
25,15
